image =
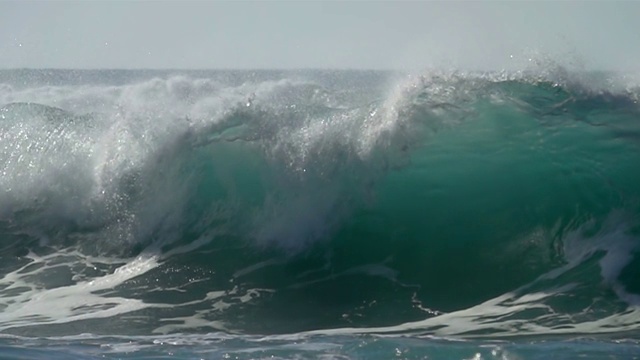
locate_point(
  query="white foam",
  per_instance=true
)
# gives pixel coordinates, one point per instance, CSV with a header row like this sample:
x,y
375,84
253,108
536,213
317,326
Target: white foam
x,y
26,302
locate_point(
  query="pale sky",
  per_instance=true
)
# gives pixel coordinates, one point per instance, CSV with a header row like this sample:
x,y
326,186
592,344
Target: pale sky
x,y
306,34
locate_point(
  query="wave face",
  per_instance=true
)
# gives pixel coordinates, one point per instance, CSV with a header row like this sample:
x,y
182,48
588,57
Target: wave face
x,y
319,204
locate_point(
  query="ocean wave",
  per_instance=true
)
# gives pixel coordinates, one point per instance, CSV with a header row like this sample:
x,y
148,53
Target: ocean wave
x,y
453,204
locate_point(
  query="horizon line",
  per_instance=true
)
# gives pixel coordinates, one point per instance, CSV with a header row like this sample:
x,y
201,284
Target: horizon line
x,y
300,69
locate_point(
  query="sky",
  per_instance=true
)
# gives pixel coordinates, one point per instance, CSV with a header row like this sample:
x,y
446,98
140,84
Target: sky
x,y
307,34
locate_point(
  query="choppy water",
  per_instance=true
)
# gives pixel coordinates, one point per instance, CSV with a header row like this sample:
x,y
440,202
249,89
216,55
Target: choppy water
x,y
310,214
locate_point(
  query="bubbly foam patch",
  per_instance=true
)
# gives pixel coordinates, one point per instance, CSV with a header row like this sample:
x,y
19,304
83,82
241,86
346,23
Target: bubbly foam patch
x,y
30,295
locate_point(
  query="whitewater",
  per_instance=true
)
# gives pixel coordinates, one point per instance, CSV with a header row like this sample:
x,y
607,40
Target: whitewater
x,y
308,214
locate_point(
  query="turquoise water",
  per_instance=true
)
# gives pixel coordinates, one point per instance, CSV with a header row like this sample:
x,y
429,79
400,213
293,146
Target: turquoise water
x,y
319,214
221,346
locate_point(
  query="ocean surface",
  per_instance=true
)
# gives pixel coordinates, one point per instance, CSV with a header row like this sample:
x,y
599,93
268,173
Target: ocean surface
x,y
319,214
